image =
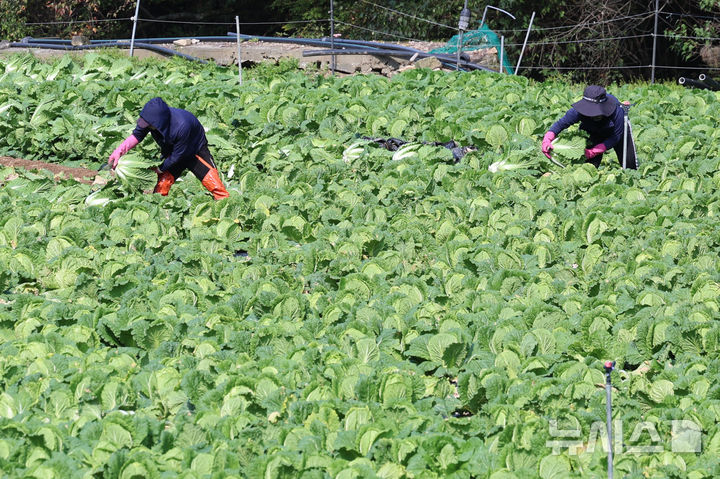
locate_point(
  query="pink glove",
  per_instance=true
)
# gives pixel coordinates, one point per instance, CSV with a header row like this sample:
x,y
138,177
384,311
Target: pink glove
x,y
595,151
127,145
547,143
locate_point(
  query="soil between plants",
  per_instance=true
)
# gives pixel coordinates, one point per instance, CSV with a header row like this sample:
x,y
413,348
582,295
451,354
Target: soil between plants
x,y
59,172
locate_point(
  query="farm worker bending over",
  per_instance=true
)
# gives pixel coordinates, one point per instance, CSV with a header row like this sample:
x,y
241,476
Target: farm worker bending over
x,y
183,146
602,116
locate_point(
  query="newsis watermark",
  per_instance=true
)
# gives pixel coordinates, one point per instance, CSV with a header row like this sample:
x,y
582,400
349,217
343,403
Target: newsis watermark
x,y
684,437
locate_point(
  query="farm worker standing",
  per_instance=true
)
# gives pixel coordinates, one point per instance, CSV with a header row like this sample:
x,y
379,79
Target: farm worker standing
x,y
602,116
183,146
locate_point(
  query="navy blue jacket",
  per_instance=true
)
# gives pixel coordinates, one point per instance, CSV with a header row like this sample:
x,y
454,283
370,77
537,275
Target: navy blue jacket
x,y
609,130
178,133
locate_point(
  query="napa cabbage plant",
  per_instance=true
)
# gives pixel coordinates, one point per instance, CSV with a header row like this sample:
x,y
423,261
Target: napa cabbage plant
x,y
571,148
135,171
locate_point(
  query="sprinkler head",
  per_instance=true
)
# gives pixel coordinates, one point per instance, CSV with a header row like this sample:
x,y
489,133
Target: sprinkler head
x,y
464,19
609,366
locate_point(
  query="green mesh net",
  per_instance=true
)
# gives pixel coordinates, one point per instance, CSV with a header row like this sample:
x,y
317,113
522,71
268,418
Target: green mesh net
x,y
476,40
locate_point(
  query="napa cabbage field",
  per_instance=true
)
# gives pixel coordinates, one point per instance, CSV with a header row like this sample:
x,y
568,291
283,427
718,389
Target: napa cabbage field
x,y
351,312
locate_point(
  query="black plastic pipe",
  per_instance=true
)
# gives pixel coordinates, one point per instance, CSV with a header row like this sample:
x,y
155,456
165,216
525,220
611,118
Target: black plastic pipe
x,y
323,41
709,81
368,46
387,46
690,83
298,40
444,59
122,44
382,48
318,42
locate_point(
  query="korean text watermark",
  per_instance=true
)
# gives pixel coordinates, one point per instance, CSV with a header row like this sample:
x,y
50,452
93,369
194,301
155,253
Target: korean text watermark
x,y
683,436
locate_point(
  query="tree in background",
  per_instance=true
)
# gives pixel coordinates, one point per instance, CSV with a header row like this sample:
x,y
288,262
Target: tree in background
x,y
691,22
610,37
218,17
12,19
373,19
86,17
565,35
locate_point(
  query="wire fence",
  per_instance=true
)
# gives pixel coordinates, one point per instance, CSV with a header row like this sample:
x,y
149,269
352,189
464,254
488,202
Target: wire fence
x,y
587,40
81,22
690,15
188,22
637,19
579,25
377,32
403,14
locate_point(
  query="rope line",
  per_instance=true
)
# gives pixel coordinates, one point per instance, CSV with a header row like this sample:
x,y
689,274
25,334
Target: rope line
x,y
408,15
590,40
584,24
619,67
68,22
376,31
689,15
683,37
668,67
187,22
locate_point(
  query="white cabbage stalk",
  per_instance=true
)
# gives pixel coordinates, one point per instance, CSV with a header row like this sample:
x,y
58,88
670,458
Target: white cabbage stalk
x,y
503,165
99,198
354,151
406,151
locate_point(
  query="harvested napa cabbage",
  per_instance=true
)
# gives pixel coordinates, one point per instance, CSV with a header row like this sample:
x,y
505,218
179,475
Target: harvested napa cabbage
x,y
100,198
406,151
571,147
504,165
354,151
133,170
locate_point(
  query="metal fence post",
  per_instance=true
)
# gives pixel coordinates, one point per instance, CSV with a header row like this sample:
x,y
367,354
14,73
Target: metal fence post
x,y
502,50
237,27
332,35
609,366
652,71
459,49
527,35
134,19
625,139
462,26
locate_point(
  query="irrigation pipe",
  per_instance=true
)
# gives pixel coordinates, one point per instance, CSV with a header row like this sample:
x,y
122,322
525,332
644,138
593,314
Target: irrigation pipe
x,y
358,47
146,46
712,83
446,60
690,83
231,37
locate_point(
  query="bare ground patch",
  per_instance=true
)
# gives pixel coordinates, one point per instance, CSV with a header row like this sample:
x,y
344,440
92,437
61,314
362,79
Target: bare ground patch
x,y
59,172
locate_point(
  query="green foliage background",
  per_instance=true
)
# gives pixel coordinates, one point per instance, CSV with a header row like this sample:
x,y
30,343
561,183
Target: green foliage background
x,y
566,48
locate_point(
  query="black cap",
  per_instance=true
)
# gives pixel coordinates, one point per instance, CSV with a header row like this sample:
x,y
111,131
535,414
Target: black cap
x,y
596,102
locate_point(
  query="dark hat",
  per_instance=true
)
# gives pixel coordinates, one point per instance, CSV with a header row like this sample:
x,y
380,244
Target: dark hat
x,y
596,102
142,123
